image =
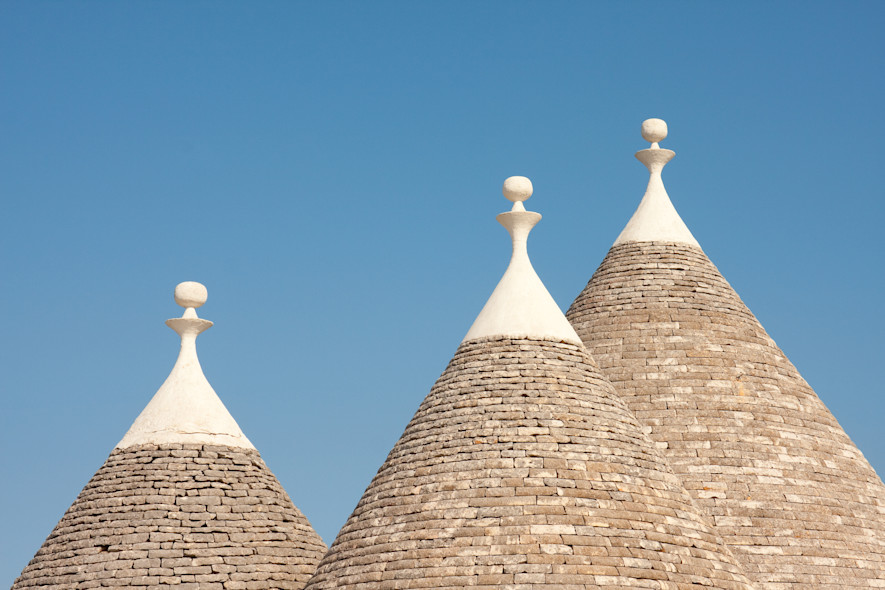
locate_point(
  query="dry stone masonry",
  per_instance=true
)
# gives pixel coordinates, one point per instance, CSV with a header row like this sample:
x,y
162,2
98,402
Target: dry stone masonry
x,y
184,515
693,454
184,500
523,469
790,493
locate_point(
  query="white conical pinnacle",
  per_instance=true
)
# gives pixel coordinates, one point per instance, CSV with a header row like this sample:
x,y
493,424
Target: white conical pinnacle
x,y
655,220
520,305
186,409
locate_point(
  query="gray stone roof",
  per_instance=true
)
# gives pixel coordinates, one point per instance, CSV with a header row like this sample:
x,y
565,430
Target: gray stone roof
x,y
184,499
187,516
523,469
757,449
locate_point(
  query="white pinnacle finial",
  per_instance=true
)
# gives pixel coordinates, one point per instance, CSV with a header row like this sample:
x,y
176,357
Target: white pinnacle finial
x,y
186,409
520,305
518,189
655,220
190,295
654,130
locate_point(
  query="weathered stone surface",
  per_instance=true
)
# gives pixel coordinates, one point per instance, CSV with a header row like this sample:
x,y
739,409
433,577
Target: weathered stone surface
x,y
162,515
523,469
786,488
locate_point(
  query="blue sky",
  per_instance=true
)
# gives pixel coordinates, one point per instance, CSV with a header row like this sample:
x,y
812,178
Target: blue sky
x,y
331,172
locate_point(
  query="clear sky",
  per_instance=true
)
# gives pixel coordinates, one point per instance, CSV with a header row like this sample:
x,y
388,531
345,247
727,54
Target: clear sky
x,y
331,172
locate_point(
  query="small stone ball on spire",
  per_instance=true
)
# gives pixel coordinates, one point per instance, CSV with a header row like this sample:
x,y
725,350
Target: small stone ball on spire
x,y
654,130
190,294
517,188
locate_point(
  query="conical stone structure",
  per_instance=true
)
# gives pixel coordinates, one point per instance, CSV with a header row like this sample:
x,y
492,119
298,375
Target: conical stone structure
x,y
523,469
183,501
790,493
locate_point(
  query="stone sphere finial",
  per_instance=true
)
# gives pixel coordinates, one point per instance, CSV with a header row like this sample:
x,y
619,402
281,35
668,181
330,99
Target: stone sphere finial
x,y
654,130
517,188
190,294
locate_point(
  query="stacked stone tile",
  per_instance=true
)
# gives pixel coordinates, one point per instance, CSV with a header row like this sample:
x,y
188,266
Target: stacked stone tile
x,y
789,492
185,500
522,468
183,515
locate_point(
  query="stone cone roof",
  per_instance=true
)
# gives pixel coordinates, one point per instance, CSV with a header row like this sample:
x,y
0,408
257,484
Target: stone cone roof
x,y
179,515
183,501
790,493
522,468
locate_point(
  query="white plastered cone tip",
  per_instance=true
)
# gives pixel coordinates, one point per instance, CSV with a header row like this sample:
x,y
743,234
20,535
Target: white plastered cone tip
x,y
521,306
186,409
656,219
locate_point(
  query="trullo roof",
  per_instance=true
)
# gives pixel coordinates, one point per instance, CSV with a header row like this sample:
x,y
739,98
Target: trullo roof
x,y
523,469
183,501
789,492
